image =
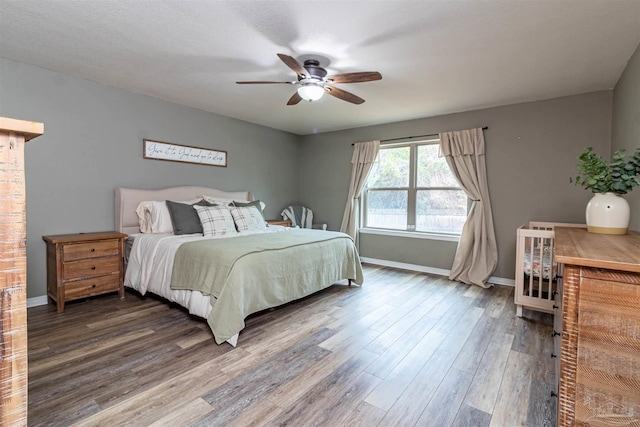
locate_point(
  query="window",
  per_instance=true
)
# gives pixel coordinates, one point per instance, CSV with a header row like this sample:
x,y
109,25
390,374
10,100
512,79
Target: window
x,y
410,188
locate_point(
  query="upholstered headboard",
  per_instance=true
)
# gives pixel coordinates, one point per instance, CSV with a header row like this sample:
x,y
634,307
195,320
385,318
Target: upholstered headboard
x,y
128,199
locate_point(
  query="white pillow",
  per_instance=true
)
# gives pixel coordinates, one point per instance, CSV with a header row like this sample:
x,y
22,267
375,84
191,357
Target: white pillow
x,y
154,216
143,217
216,220
247,218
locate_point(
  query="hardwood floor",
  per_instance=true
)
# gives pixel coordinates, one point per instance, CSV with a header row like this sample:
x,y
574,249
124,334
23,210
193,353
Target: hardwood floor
x,y
405,349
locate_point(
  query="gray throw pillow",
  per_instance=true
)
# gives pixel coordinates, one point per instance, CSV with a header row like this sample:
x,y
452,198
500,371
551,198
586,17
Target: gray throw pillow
x,y
255,203
184,217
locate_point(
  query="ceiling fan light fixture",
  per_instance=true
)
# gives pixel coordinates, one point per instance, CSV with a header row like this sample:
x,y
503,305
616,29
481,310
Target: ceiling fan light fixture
x,y
313,81
311,91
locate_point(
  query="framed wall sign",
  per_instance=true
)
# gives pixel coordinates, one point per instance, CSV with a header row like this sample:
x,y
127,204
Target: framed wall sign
x,y
158,150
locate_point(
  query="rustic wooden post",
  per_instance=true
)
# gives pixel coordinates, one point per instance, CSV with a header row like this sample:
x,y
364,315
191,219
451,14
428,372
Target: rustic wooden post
x,y
13,264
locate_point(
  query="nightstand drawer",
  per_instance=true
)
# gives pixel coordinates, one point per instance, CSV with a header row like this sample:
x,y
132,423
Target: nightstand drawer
x,y
89,287
76,251
91,267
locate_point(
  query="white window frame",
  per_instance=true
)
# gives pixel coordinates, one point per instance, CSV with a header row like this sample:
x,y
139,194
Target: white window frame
x,y
412,191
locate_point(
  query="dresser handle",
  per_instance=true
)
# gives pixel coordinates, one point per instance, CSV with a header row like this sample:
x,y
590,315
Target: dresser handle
x,y
558,276
555,306
93,286
553,355
555,334
93,249
93,268
554,394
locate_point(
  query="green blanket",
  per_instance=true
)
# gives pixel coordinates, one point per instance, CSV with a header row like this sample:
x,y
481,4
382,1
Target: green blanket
x,y
246,274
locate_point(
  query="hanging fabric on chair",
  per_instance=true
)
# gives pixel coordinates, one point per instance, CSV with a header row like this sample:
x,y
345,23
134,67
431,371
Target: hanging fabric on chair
x,y
299,216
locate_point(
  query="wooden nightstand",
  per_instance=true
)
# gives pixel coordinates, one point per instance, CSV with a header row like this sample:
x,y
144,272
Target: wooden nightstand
x,y
282,222
83,265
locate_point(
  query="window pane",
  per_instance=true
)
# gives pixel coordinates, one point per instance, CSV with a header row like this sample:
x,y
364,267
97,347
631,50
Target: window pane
x,y
433,171
387,209
441,211
391,170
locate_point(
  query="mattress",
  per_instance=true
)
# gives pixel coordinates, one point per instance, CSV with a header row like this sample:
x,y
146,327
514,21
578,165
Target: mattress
x,y
540,264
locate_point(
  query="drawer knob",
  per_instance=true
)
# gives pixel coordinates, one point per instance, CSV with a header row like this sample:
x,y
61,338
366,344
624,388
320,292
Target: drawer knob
x,y
93,249
555,306
553,355
93,268
93,286
555,334
554,394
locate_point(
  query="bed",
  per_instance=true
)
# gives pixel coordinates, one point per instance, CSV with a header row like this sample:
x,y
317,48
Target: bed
x,y
228,277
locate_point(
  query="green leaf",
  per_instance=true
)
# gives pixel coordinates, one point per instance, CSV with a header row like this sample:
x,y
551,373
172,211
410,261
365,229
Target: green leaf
x,y
619,176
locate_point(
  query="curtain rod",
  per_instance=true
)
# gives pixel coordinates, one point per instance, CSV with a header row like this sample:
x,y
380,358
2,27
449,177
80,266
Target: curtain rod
x,y
415,136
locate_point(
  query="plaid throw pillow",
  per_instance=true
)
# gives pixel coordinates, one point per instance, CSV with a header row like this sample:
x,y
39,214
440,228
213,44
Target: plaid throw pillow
x,y
247,218
216,220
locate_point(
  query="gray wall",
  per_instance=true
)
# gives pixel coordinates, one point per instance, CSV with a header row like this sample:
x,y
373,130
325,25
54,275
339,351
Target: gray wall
x,y
93,144
531,150
626,123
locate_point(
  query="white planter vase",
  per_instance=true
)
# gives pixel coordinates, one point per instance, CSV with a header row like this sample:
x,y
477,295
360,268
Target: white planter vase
x,y
608,213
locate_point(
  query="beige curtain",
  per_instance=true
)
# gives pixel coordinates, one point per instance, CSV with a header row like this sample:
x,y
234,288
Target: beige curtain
x,y
364,154
477,253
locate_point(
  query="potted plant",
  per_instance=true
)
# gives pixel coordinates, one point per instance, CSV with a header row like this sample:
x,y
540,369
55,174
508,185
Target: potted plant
x,y
607,212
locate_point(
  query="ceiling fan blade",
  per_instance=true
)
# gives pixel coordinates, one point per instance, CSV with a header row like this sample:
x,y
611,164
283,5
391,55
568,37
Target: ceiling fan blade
x,y
344,95
295,98
263,83
292,63
365,76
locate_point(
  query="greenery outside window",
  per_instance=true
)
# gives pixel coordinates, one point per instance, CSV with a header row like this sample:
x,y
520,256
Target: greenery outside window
x,y
411,189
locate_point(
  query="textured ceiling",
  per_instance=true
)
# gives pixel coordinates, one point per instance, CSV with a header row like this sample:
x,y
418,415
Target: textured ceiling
x,y
435,57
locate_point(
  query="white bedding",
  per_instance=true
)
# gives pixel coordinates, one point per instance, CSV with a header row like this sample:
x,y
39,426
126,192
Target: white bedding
x,y
150,264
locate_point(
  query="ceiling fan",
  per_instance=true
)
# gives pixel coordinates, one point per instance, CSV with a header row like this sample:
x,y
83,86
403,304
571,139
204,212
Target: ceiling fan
x,y
313,81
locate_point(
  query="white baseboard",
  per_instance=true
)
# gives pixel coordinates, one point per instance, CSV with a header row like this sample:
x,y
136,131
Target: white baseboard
x,y
502,281
36,301
42,300
405,266
431,270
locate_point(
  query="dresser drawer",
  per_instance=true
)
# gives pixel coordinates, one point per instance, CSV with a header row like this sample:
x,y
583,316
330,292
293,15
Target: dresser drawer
x,y
608,352
95,249
611,275
89,287
91,267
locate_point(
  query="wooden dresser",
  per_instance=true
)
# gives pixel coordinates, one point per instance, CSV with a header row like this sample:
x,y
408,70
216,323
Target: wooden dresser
x,y
600,339
13,270
83,265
